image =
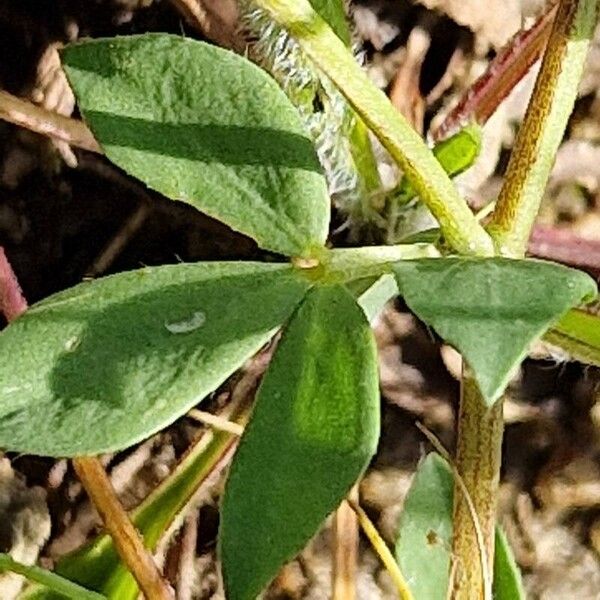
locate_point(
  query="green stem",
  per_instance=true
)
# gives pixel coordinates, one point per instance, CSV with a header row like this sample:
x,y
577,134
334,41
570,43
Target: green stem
x,y
365,163
343,265
478,460
52,581
458,224
480,432
544,125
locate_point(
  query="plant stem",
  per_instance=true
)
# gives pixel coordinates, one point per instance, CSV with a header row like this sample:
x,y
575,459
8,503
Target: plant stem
x,y
478,459
480,427
349,264
12,301
321,44
544,125
364,159
127,539
98,566
37,119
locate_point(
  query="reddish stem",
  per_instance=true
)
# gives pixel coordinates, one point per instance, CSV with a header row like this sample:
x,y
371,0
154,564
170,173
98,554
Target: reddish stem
x,y
565,247
12,301
505,71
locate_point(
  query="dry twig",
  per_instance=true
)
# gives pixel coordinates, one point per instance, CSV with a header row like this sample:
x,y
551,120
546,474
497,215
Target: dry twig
x,y
345,550
125,536
32,117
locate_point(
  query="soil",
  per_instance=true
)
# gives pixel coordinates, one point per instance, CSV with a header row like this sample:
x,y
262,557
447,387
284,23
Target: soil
x,y
60,224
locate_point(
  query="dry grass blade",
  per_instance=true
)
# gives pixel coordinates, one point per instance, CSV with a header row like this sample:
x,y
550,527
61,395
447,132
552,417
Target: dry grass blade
x,y
382,551
216,422
345,550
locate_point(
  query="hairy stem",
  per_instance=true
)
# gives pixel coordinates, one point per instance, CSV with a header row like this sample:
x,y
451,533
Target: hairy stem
x,y
544,125
127,539
319,42
478,459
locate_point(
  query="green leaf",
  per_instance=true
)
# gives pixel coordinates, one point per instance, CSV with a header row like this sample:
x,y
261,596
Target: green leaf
x,y
578,332
207,127
460,227
424,543
508,584
313,431
56,583
378,294
425,530
459,152
334,13
491,310
107,363
456,154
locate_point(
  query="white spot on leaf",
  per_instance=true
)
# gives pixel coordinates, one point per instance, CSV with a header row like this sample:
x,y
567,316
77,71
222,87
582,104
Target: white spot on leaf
x,y
72,343
195,321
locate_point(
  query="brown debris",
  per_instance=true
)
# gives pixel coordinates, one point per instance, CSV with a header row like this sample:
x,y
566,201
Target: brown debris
x,y
24,524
